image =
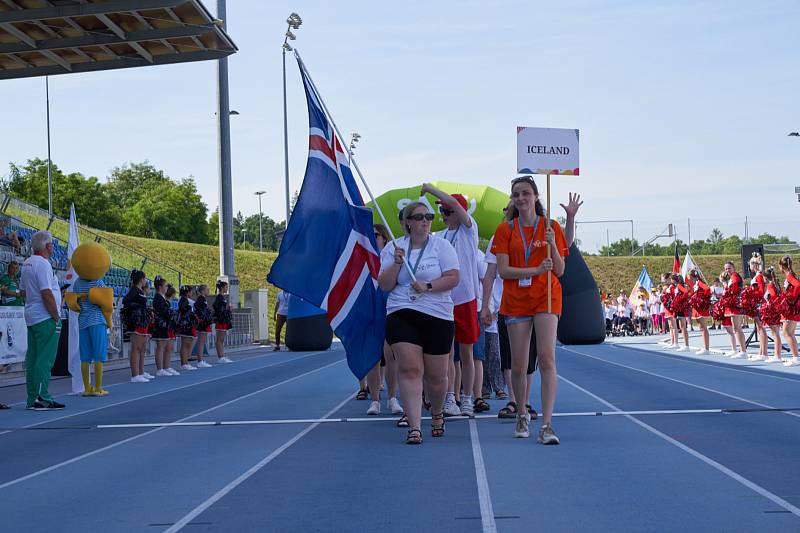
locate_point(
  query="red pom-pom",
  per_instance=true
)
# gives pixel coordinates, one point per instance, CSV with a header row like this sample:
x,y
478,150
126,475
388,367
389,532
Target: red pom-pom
x,y
718,311
680,304
751,301
666,299
772,310
730,298
700,301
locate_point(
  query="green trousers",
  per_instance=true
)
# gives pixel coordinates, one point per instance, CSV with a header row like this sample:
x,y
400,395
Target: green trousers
x,y
42,348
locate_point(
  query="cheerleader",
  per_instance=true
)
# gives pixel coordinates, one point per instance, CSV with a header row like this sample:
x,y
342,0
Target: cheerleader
x,y
170,295
223,318
667,294
733,291
136,321
752,299
792,293
204,320
681,309
701,310
186,326
770,313
162,317
718,313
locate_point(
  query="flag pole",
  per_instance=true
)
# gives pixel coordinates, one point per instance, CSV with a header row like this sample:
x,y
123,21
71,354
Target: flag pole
x,y
353,161
549,255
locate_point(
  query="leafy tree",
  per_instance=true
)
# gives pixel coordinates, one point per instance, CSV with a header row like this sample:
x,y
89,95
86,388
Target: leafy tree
x,y
91,199
129,183
172,211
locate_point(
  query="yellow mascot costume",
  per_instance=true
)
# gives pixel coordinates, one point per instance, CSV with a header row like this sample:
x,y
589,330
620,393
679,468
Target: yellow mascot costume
x,y
94,302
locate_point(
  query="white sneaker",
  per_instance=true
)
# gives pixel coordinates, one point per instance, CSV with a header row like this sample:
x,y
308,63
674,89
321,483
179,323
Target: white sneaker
x,y
394,406
225,360
203,364
729,354
187,366
147,375
702,351
139,379
173,372
756,357
466,406
791,362
683,349
163,372
521,430
450,407
739,355
374,408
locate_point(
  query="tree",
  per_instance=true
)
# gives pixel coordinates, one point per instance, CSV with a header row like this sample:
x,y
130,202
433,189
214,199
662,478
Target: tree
x,y
91,199
715,237
173,211
213,227
130,182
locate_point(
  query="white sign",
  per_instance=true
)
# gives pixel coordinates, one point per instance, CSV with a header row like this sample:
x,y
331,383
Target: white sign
x,y
13,334
547,151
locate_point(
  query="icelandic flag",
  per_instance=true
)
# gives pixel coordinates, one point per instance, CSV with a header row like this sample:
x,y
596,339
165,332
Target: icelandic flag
x,y
328,255
644,282
73,355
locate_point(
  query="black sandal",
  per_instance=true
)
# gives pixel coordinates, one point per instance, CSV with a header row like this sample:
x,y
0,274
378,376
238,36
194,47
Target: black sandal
x,y
4,406
402,422
362,395
481,406
509,411
437,430
532,411
414,436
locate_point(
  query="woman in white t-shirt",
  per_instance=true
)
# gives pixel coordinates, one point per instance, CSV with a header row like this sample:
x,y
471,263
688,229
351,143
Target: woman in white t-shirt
x,y
419,323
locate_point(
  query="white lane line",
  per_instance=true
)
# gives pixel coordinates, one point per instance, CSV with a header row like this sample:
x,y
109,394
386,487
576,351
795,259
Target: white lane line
x,y
106,406
387,419
140,435
68,395
774,498
707,389
250,472
485,499
677,357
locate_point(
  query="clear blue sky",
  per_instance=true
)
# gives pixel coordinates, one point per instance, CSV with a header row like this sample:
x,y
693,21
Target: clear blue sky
x,y
683,106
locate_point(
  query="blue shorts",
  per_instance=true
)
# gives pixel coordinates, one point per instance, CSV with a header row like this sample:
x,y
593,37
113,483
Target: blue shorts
x,y
93,344
479,350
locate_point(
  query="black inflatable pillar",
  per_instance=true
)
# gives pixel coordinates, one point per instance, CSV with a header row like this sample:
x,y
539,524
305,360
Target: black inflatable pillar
x,y
582,319
307,327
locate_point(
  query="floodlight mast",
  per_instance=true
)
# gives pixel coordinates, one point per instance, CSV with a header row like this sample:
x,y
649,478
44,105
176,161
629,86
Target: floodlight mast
x,y
294,21
226,243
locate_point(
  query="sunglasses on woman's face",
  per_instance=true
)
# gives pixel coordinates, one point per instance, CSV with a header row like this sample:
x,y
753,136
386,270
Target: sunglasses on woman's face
x,y
422,216
445,212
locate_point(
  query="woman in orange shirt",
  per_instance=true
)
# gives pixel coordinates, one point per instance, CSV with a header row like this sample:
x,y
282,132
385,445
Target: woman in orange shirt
x,y
521,246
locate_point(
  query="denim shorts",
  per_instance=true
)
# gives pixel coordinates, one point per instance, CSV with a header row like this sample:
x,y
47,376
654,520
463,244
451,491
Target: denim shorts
x,y
517,319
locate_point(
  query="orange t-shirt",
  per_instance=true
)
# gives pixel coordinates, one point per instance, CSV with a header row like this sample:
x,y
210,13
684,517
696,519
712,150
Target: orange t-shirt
x,y
525,301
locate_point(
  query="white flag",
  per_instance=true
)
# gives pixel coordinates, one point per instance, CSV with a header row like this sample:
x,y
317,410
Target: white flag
x,y
688,265
73,358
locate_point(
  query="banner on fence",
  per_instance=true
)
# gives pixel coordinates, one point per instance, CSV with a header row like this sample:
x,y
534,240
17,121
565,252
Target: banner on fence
x,y
13,334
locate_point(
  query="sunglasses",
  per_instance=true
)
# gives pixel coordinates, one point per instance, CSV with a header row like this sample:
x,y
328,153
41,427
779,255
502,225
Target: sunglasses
x,y
445,212
421,216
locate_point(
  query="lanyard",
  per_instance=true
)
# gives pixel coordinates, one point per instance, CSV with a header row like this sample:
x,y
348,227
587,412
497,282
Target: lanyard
x,y
419,257
528,248
453,240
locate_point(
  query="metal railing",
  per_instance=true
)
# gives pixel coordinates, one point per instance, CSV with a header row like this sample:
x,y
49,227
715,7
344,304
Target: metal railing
x,y
121,255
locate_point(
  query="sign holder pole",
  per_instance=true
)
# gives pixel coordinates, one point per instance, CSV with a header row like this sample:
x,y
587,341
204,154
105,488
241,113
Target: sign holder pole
x,y
549,252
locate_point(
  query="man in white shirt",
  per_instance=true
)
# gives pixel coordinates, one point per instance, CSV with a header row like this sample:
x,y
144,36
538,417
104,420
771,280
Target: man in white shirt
x,y
462,233
43,318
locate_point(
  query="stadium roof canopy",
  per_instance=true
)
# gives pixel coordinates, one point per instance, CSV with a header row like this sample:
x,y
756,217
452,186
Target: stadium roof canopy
x,y
48,37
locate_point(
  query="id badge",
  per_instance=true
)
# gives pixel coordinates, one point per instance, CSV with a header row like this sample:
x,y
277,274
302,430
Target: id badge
x,y
525,282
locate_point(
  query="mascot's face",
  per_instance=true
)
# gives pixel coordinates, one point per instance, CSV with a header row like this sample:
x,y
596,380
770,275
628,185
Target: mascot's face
x,y
91,261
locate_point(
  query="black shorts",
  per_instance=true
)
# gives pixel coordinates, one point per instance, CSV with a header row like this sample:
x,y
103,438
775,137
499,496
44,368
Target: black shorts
x,y
433,335
505,347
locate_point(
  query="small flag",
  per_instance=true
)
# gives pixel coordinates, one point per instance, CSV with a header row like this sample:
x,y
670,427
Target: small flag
x,y
676,263
644,282
73,355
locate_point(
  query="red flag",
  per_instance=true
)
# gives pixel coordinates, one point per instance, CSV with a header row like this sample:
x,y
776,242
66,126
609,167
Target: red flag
x,y
676,262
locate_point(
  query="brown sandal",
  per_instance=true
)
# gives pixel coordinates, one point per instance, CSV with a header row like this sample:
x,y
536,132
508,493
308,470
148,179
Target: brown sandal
x,y
437,430
414,436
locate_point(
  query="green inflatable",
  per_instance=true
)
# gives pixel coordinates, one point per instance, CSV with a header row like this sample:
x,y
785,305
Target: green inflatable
x,y
485,205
